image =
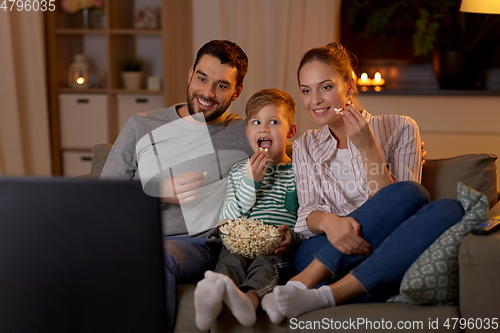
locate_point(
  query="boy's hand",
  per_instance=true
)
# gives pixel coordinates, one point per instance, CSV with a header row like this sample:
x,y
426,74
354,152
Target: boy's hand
x,y
256,166
286,241
224,221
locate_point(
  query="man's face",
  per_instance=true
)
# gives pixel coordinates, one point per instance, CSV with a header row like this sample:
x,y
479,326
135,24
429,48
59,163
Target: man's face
x,y
211,88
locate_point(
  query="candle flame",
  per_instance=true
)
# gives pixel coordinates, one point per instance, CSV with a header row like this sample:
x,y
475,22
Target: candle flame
x,y
378,76
80,80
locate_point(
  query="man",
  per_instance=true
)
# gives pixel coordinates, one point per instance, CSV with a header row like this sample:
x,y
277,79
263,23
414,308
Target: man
x,y
183,155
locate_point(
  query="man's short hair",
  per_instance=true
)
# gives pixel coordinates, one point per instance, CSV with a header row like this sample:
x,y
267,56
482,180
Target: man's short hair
x,y
228,53
271,96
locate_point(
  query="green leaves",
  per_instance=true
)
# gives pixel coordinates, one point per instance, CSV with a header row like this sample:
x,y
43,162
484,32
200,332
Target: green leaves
x,y
430,21
424,37
130,63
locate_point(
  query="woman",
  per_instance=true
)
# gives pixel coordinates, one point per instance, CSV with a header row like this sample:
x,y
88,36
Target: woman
x,y
366,217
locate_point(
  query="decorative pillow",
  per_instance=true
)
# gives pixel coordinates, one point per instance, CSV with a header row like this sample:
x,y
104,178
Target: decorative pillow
x,y
433,278
440,176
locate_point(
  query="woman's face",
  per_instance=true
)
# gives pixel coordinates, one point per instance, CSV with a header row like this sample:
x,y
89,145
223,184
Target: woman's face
x,y
322,90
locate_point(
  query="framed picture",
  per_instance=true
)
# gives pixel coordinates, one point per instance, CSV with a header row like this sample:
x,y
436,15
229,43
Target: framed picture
x,y
147,17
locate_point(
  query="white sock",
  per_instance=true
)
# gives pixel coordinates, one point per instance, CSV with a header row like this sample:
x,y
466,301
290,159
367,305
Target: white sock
x,y
208,300
269,305
238,302
293,300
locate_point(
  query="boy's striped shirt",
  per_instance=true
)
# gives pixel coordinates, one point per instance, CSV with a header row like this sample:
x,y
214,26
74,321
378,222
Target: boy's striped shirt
x,y
273,201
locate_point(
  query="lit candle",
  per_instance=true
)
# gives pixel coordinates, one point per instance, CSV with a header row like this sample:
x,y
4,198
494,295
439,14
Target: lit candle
x,y
78,73
364,80
378,80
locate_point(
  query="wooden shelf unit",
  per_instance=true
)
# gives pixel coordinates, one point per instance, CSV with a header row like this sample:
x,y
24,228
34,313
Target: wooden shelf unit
x,y
169,46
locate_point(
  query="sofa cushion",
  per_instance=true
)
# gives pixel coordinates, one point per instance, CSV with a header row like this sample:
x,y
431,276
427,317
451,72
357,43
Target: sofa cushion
x,y
433,278
368,314
100,154
440,176
362,317
479,267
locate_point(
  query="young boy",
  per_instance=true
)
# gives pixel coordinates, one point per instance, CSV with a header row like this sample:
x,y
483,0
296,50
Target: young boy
x,y
263,188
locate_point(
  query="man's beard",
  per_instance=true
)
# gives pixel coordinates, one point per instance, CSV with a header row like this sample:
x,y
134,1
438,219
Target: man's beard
x,y
211,116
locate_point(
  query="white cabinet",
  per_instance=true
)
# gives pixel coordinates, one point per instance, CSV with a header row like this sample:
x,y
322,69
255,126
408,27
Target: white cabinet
x,y
131,104
76,163
84,120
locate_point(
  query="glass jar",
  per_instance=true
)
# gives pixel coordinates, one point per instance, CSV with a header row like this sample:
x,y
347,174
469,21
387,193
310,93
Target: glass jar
x,y
78,73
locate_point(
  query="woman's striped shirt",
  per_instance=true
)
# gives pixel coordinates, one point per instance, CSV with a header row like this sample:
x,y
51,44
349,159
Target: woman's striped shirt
x,y
397,137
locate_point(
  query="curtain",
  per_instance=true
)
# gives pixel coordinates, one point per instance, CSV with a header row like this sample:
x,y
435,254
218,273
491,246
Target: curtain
x,y
24,123
275,35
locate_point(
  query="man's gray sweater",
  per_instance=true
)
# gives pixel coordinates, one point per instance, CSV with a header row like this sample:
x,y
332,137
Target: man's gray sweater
x,y
159,144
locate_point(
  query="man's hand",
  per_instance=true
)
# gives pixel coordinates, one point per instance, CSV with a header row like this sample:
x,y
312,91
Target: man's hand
x,y
181,188
257,166
286,241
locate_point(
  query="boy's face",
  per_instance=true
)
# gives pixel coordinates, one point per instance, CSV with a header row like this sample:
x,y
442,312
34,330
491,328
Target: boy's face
x,y
269,128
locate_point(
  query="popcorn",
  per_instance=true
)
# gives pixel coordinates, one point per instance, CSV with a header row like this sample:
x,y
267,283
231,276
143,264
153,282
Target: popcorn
x,y
205,173
339,110
250,237
263,149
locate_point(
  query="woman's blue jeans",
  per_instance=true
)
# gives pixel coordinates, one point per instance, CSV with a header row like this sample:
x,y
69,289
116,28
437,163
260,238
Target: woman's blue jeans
x,y
400,224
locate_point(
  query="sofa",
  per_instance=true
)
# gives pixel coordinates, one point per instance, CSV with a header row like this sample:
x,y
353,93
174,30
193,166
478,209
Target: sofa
x,y
478,269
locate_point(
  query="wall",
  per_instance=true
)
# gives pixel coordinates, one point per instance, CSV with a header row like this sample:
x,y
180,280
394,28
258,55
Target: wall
x,y
24,129
449,125
206,22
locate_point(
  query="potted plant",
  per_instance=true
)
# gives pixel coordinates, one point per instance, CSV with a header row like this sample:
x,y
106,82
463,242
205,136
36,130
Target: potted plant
x,y
438,28
131,68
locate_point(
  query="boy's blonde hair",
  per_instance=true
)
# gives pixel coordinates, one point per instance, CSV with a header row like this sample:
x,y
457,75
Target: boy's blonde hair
x,y
266,97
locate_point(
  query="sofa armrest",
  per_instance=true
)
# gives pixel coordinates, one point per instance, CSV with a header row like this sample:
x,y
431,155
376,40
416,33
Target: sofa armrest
x,y
479,269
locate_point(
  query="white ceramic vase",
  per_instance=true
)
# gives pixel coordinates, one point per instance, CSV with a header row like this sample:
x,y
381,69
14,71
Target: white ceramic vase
x,y
132,80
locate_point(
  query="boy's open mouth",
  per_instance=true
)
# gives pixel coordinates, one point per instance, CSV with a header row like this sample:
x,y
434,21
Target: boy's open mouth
x,y
264,143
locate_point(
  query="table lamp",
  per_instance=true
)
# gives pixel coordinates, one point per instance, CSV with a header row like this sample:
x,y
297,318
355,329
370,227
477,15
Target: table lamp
x,y
480,6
